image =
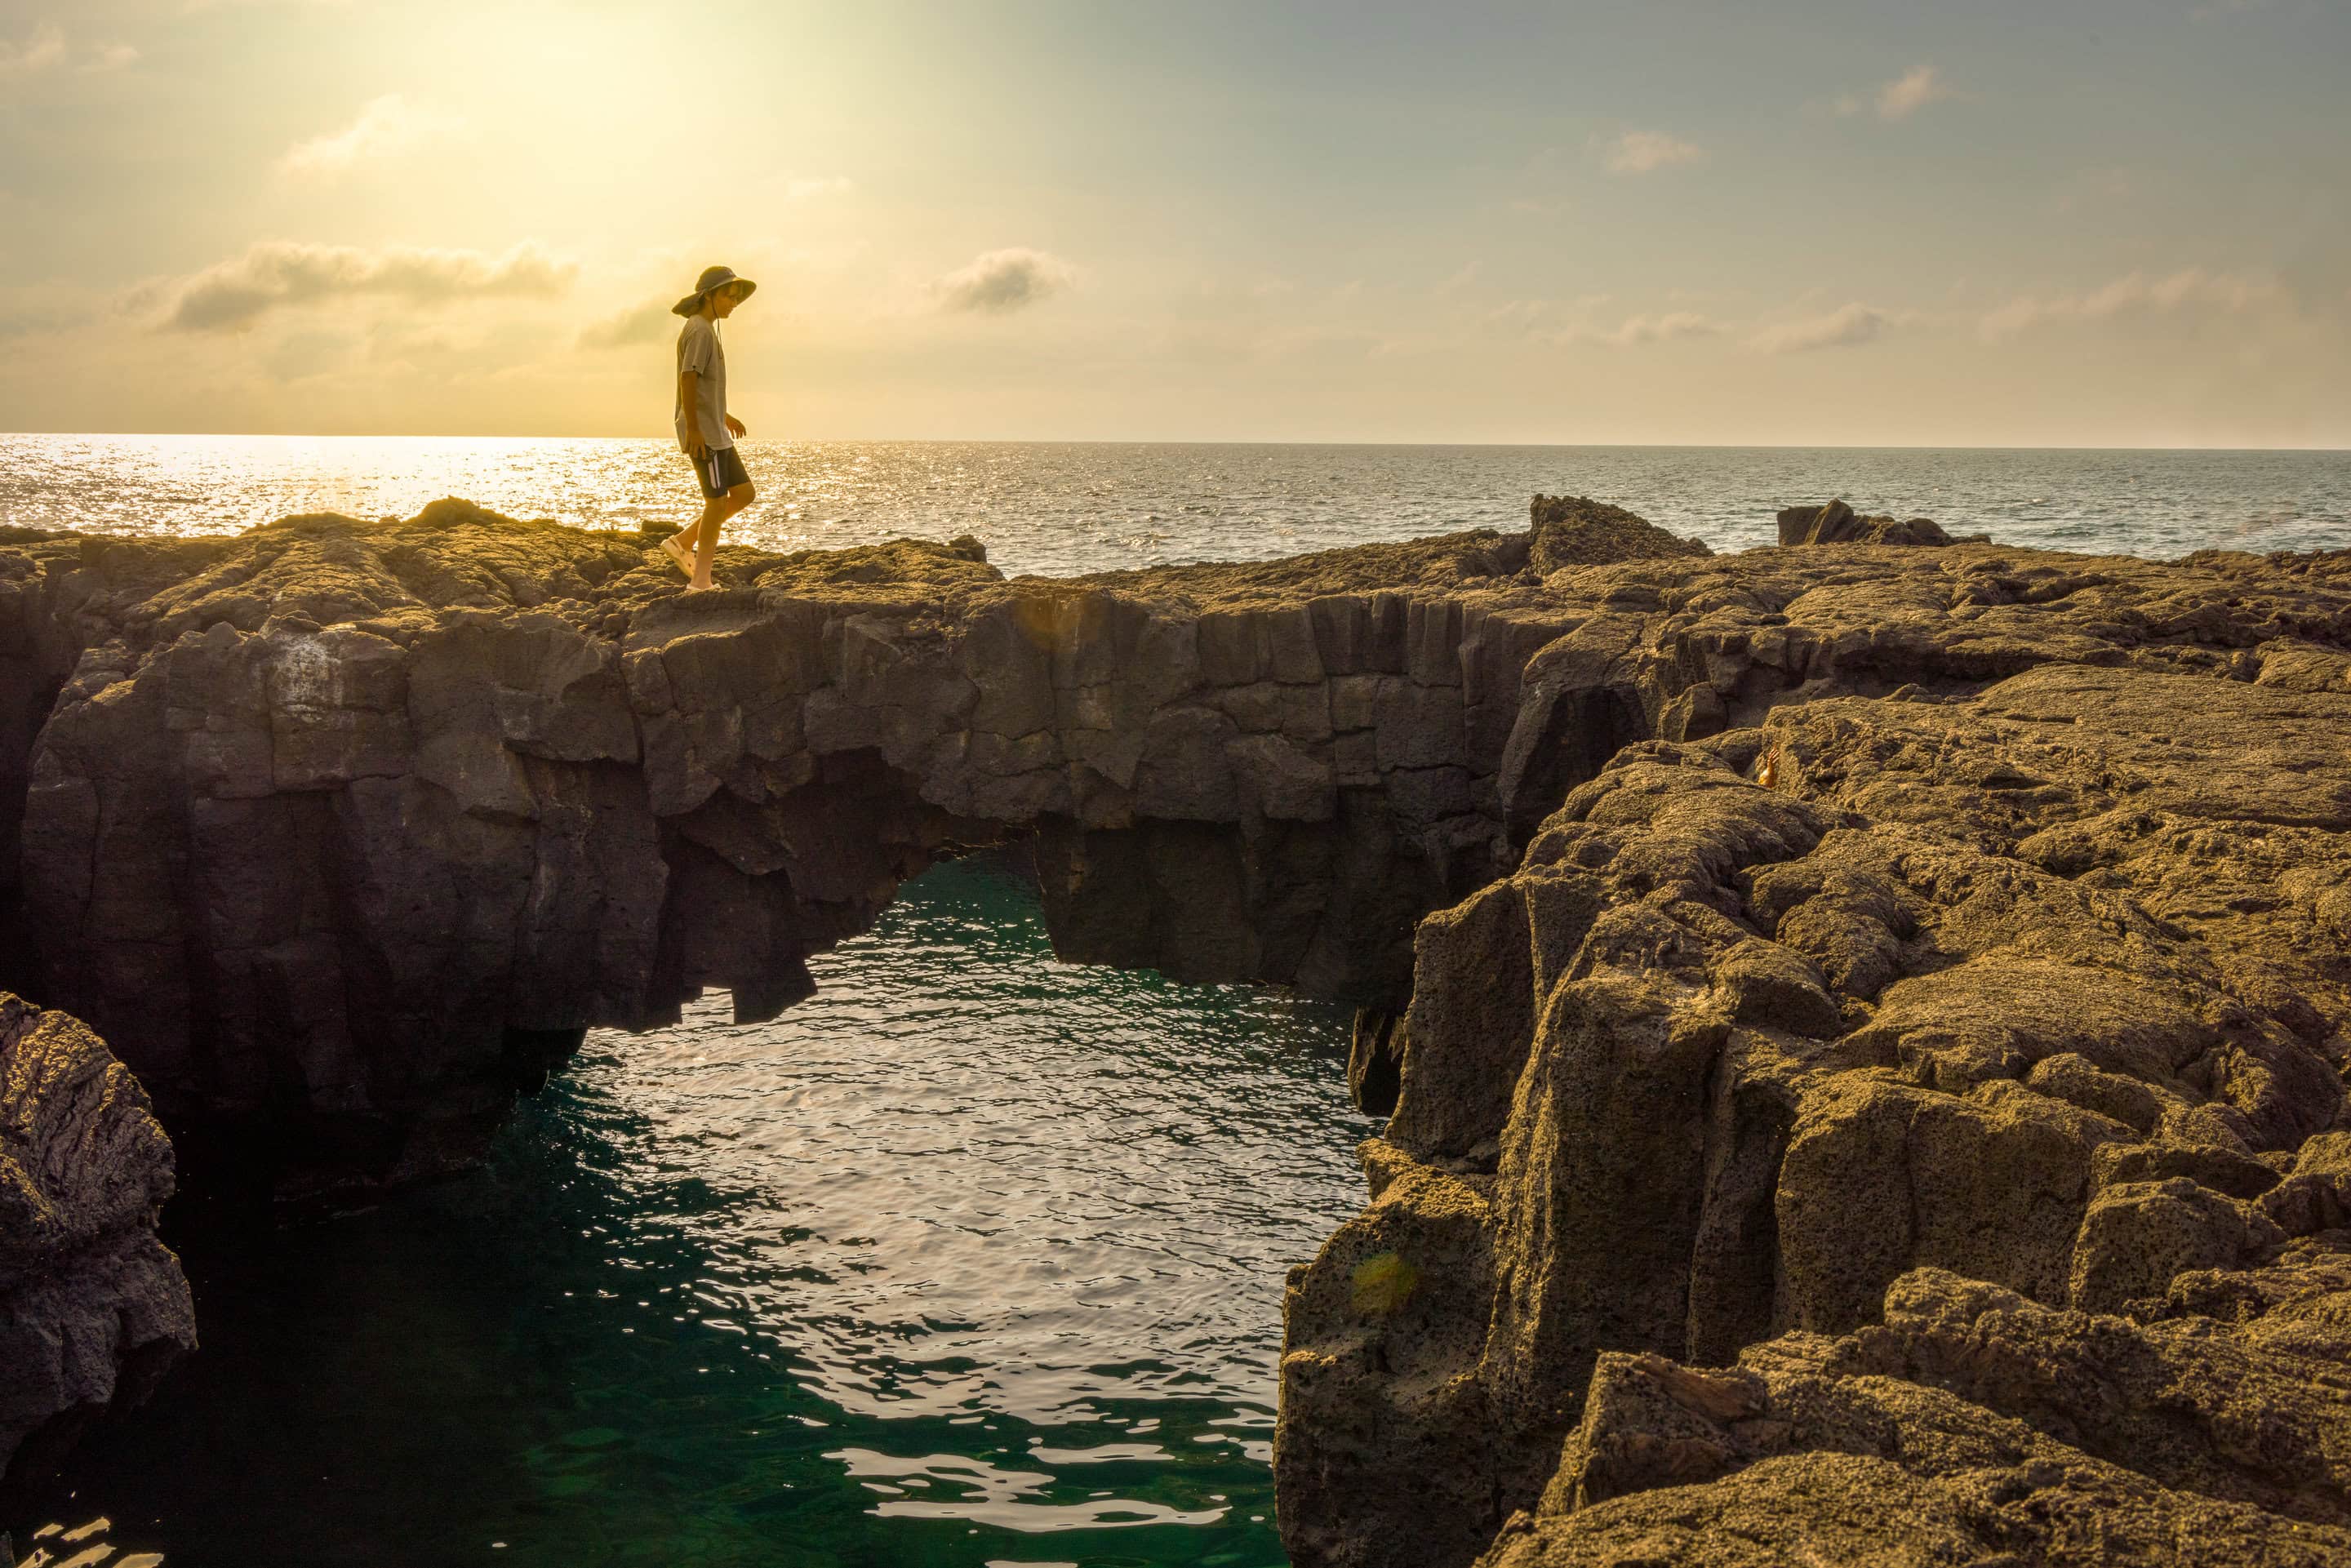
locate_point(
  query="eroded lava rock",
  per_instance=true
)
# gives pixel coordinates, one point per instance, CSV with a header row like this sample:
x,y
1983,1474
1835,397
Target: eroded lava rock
x,y
1893,1127
1573,530
93,1308
1836,524
1868,1077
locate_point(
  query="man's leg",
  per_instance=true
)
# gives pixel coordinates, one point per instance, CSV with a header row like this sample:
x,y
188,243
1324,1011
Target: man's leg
x,y
681,545
714,511
705,548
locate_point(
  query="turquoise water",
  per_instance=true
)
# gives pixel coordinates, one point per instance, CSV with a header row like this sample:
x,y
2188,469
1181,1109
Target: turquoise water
x,y
974,1258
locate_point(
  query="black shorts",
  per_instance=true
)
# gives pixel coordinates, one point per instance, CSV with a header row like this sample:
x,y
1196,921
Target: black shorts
x,y
720,469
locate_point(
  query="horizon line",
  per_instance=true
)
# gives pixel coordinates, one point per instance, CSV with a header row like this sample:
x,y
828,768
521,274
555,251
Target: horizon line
x,y
2344,450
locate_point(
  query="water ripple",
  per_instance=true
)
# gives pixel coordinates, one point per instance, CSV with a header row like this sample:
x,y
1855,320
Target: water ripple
x,y
970,1248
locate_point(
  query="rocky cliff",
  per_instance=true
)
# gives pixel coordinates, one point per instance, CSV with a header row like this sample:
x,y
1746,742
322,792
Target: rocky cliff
x,y
1899,1117
1858,1019
93,1308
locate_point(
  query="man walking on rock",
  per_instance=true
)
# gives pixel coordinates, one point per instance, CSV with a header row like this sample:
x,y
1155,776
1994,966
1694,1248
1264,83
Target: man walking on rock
x,y
706,431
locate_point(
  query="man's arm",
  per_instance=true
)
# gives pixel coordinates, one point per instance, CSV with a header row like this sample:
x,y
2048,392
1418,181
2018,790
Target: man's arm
x,y
686,387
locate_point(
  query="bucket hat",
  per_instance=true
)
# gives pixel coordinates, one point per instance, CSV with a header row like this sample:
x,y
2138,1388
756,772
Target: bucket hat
x,y
712,278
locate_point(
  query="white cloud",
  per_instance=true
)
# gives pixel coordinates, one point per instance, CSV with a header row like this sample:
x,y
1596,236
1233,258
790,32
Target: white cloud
x,y
231,295
45,49
1847,327
386,128
1003,280
1636,331
2191,289
1906,94
1645,152
110,58
647,323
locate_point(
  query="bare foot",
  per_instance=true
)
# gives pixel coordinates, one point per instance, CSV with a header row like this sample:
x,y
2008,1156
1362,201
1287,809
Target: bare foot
x,y
678,553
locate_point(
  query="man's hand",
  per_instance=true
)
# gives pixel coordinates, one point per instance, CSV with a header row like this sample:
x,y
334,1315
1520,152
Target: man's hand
x,y
736,425
695,446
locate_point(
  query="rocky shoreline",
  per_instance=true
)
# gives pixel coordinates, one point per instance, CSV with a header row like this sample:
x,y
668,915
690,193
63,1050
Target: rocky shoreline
x,y
1865,1021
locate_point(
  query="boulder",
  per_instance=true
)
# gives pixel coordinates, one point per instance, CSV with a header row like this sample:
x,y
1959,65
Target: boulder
x,y
1836,524
93,1308
1573,531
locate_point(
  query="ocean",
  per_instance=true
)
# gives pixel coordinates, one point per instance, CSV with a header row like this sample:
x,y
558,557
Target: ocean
x,y
1066,508
973,1259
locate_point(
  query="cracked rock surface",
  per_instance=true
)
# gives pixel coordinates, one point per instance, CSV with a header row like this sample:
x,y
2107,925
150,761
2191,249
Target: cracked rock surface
x,y
93,1308
1899,1118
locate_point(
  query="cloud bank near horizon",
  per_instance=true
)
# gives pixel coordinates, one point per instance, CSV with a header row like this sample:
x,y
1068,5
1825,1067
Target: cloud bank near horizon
x,y
274,275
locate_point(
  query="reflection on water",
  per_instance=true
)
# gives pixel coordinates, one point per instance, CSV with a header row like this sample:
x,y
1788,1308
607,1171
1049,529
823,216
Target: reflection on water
x,y
973,1259
84,1545
1060,508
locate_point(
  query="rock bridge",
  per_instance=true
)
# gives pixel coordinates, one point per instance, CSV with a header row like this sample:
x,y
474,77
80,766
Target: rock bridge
x,y
1867,1023
340,832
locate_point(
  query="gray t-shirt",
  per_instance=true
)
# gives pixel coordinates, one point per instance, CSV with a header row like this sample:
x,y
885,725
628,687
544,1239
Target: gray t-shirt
x,y
698,350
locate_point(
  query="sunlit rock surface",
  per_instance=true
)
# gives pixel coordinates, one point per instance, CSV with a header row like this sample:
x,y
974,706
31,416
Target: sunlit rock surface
x,y
1950,1040
1861,1020
93,1308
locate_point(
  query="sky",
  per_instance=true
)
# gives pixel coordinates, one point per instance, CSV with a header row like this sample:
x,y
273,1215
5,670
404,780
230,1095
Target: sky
x,y
2059,223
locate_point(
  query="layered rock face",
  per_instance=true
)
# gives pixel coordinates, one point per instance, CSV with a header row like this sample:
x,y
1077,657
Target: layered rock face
x,y
93,1308
342,832
1899,1118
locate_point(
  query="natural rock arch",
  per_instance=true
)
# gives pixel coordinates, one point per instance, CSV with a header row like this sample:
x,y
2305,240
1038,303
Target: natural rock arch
x,y
1763,887
342,832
